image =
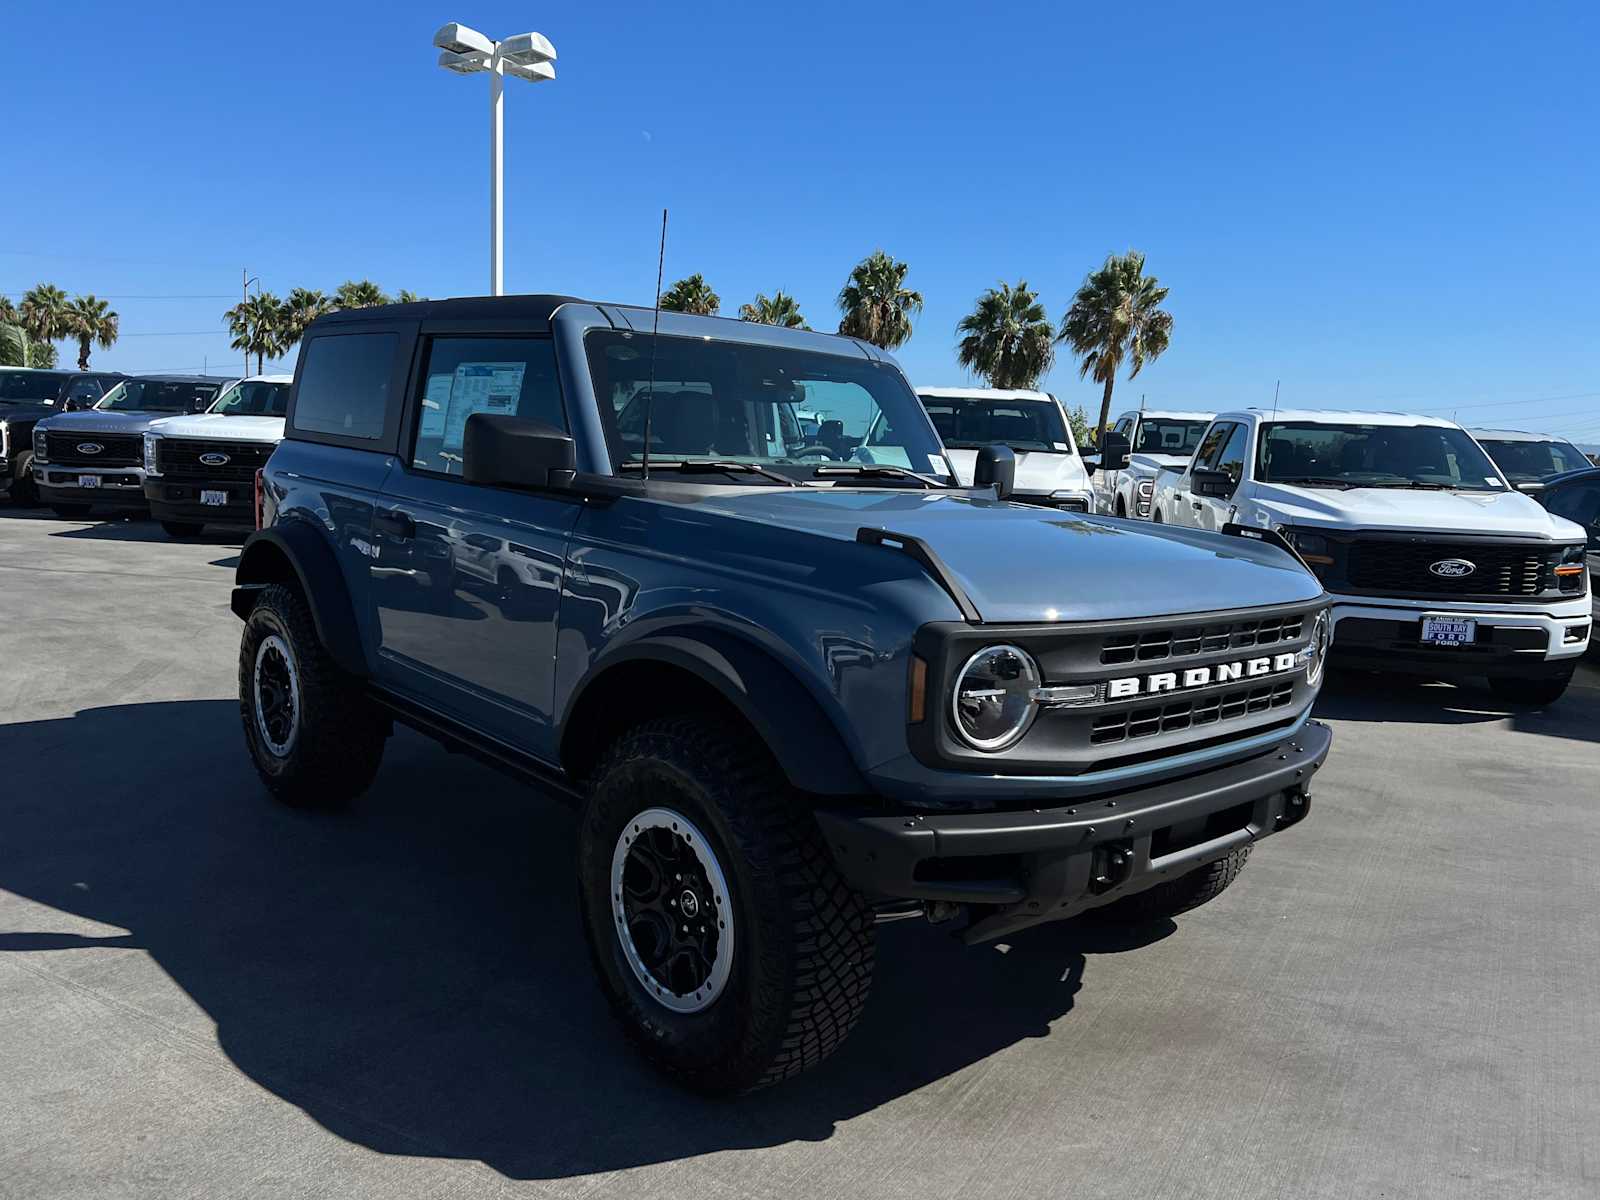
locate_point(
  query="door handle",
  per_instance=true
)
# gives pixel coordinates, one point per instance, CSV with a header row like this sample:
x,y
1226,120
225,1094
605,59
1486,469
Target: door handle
x,y
1198,506
396,524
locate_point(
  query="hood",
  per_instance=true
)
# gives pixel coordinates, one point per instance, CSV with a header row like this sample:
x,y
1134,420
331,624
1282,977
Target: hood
x,y
1020,563
27,411
216,425
1499,513
1039,472
1150,464
95,421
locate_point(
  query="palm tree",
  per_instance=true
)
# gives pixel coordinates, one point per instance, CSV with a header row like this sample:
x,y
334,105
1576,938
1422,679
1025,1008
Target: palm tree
x,y
877,306
692,295
91,321
363,294
1116,316
405,296
257,327
1007,337
14,344
301,307
44,313
8,312
780,309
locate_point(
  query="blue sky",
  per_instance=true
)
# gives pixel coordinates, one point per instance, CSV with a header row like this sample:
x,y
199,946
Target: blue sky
x,y
1380,206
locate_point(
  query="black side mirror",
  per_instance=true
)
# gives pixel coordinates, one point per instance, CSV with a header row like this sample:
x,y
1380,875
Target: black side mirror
x,y
518,453
997,468
1113,451
1212,483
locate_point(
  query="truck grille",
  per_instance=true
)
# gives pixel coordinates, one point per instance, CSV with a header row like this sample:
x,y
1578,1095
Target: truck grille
x,y
1156,644
1402,568
1187,714
179,458
117,449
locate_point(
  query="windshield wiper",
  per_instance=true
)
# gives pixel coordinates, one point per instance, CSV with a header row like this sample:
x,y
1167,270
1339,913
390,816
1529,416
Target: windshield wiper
x,y
876,471
1413,485
711,466
1316,481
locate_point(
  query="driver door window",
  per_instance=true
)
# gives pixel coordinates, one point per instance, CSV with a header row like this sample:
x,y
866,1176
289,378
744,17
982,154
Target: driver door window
x,y
1231,458
1209,451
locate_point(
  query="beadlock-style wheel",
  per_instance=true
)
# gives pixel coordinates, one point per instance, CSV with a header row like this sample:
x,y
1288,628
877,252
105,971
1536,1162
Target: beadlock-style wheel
x,y
670,906
277,696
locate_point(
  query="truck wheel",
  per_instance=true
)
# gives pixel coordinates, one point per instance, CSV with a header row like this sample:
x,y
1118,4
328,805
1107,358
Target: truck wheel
x,y
732,952
181,529
315,738
24,492
1122,509
1179,895
1537,691
1155,516
70,512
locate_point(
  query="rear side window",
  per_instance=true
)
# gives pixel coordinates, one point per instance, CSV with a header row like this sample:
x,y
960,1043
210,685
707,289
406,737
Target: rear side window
x,y
466,375
344,385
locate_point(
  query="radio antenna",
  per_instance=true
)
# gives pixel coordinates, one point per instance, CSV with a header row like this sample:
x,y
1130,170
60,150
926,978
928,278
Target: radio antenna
x,y
655,326
1276,384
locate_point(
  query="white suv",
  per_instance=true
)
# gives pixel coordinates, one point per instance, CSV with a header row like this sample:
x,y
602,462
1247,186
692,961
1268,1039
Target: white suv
x,y
1437,565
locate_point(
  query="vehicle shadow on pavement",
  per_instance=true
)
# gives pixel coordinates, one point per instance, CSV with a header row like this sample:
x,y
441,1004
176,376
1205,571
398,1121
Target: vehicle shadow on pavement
x,y
142,529
1366,697
411,973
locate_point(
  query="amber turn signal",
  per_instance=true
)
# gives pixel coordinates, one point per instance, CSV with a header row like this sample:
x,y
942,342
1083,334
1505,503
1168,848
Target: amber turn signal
x,y
919,689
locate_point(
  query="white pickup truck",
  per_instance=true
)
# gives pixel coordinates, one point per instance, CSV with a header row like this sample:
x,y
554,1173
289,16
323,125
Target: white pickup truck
x,y
1049,472
1436,564
1157,439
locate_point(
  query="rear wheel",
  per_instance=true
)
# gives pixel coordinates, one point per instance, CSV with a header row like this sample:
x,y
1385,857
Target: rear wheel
x,y
70,512
1199,886
1536,691
316,739
182,529
732,952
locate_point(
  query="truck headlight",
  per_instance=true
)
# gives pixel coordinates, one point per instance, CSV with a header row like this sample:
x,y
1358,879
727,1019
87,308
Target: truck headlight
x,y
1571,570
39,454
5,438
993,705
150,440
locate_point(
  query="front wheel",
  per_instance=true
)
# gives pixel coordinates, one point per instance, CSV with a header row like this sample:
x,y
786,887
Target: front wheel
x,y
1536,692
730,949
1156,516
316,739
24,492
1197,887
181,529
1122,509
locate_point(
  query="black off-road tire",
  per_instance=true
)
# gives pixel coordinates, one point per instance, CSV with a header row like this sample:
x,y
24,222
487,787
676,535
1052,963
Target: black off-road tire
x,y
338,741
803,953
1536,692
24,491
1199,886
71,512
182,529
1122,509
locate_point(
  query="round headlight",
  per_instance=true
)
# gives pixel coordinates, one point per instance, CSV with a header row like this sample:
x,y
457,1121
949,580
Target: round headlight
x,y
1318,649
993,701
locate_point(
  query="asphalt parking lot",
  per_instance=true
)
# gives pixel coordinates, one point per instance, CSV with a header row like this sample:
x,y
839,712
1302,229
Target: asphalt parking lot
x,y
204,995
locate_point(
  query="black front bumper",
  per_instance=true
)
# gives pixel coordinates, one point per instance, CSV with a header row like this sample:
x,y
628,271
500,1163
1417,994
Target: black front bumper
x,y
1047,864
170,501
120,486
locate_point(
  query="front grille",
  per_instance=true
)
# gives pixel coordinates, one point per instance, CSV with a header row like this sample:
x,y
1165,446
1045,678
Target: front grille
x,y
1153,645
179,458
1402,568
117,449
1190,713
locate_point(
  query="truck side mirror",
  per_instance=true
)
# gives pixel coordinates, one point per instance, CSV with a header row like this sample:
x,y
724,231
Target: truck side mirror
x,y
514,452
1530,487
1113,451
997,468
1218,484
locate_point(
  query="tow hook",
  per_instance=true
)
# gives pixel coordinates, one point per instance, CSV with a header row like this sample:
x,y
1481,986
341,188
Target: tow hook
x,y
1113,865
1297,803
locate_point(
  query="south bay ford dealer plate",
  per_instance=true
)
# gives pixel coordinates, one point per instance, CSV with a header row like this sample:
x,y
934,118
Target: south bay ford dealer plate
x,y
1449,631
215,499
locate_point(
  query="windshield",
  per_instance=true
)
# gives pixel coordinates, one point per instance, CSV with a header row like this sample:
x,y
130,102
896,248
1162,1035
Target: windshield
x,y
31,387
792,411
1526,462
158,395
253,398
971,424
1163,435
1374,456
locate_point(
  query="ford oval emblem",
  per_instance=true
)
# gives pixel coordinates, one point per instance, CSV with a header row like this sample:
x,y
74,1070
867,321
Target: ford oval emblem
x,y
221,460
90,447
1452,568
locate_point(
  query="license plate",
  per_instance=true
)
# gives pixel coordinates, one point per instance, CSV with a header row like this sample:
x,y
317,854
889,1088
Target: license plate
x,y
215,499
1449,631
88,481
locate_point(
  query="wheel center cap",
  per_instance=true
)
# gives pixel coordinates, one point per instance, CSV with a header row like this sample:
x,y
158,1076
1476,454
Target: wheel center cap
x,y
689,904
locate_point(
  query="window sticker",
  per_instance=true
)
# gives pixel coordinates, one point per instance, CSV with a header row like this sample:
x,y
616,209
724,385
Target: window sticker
x,y
937,463
435,401
491,387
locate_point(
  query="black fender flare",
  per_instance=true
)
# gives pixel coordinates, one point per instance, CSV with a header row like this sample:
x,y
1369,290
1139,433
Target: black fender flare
x,y
800,735
306,552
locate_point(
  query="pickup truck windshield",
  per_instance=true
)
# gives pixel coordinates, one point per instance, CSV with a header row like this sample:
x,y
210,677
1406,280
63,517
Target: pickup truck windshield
x,y
158,395
1376,456
741,403
1526,462
253,398
1159,435
29,387
971,424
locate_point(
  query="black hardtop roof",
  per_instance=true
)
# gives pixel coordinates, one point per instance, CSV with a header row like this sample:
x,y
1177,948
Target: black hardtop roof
x,y
164,378
535,310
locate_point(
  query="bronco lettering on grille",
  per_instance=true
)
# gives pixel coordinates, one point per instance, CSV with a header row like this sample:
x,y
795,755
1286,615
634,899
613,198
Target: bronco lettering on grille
x,y
1198,677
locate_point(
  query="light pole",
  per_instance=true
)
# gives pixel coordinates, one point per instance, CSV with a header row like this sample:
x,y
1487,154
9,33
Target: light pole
x,y
526,56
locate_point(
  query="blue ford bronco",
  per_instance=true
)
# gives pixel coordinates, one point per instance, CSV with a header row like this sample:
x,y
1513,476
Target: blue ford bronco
x,y
797,679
